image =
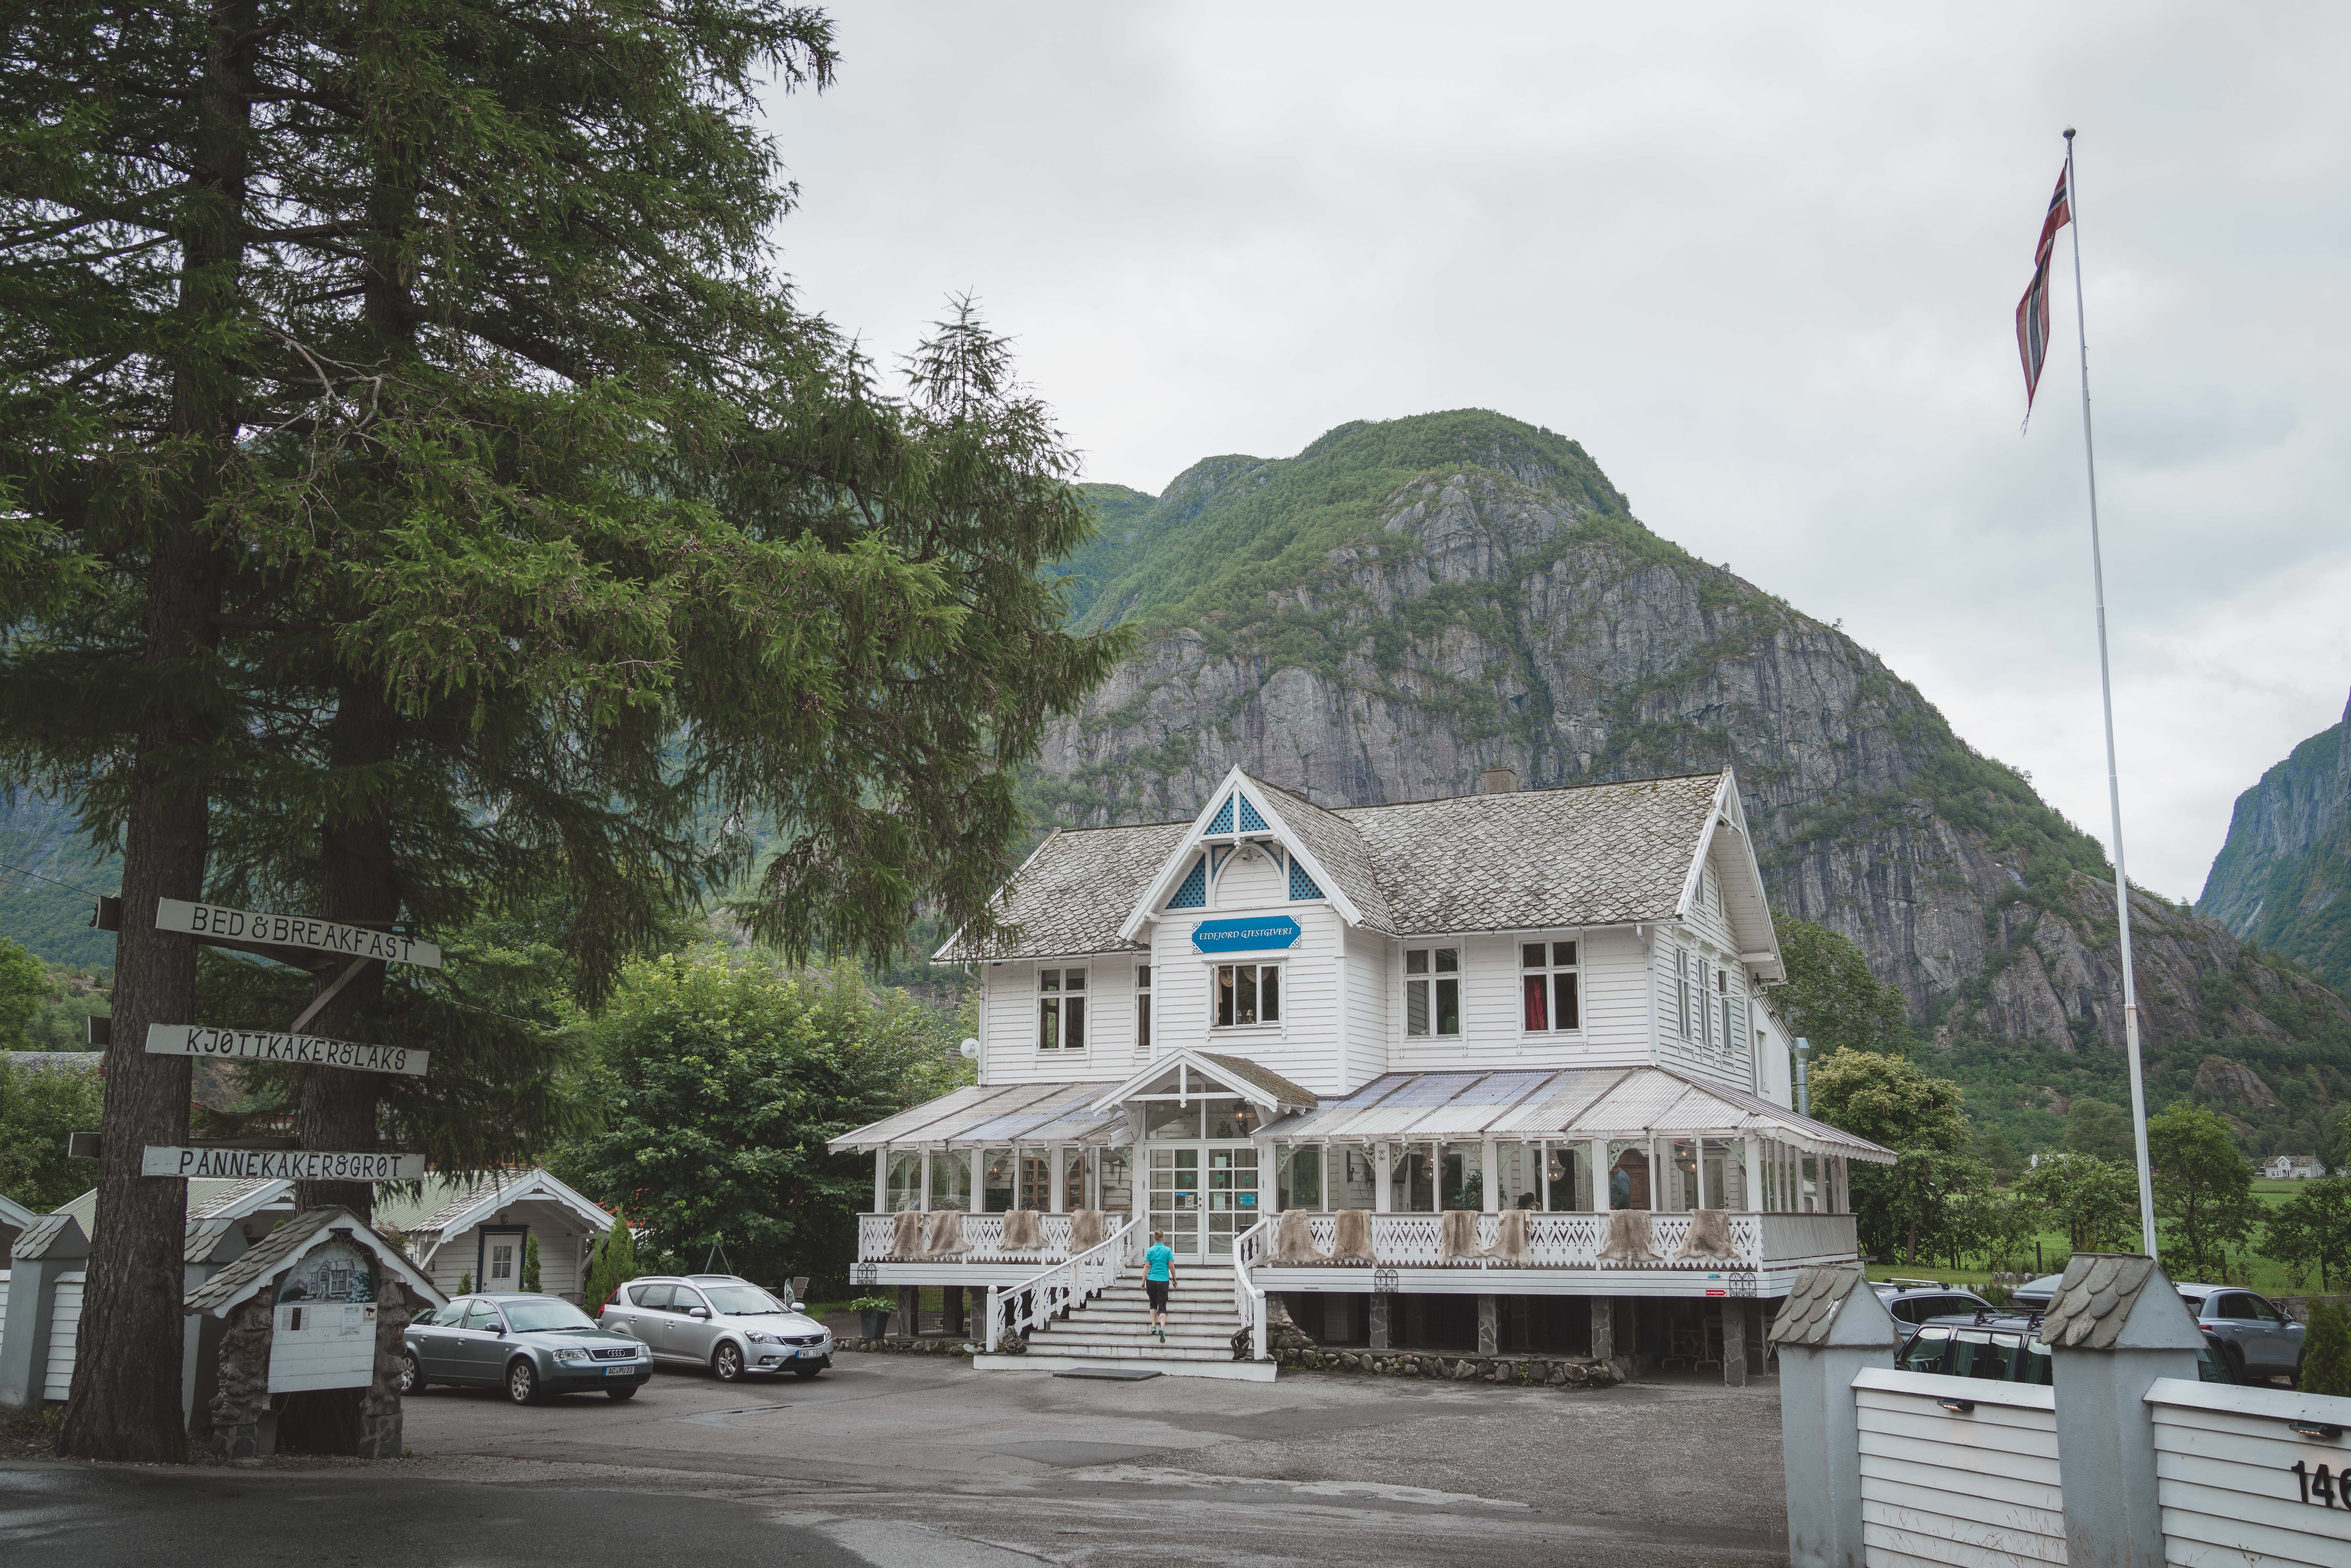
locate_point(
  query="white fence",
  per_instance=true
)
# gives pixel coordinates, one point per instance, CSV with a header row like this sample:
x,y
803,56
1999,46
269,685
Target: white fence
x,y
1031,1304
2247,1478
1553,1241
1248,1301
64,1334
982,1241
1958,1470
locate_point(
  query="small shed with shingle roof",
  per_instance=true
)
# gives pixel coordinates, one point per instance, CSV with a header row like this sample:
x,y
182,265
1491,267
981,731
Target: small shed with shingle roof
x,y
482,1228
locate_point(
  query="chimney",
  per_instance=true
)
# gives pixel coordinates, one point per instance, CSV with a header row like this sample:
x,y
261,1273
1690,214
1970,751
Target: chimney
x,y
1498,781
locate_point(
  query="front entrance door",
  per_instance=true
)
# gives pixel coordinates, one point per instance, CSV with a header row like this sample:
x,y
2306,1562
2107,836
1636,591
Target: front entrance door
x,y
1202,1196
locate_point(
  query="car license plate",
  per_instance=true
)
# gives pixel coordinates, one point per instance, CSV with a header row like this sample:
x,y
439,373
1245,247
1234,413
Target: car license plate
x,y
620,1372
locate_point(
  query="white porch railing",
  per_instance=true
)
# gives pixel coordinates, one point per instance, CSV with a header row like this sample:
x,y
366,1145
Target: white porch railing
x,y
1575,1240
1248,1301
983,1242
1034,1301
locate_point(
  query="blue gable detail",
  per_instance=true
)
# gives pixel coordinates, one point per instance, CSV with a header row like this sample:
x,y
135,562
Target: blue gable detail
x,y
1194,893
1250,821
1300,884
1222,820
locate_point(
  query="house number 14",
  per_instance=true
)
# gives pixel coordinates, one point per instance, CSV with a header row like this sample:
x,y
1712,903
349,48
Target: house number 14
x,y
2321,1487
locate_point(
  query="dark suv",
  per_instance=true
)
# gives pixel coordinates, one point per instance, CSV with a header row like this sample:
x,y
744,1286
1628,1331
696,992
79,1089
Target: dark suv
x,y
1915,1301
2006,1347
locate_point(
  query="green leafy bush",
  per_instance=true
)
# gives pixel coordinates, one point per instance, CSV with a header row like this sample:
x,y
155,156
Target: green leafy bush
x,y
2327,1352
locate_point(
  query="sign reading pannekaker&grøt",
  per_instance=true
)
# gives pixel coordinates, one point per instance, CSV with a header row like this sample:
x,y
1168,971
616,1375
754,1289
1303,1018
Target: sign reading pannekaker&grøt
x,y
273,1045
279,1164
246,927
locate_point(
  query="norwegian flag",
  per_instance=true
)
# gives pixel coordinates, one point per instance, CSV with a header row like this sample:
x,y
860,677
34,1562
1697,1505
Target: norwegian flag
x,y
2032,310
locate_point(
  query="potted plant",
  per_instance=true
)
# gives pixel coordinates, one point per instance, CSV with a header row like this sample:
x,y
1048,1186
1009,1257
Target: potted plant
x,y
874,1314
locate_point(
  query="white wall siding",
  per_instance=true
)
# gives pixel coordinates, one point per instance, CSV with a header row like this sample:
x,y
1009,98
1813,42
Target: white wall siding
x,y
65,1335
2224,1459
334,1348
1305,1045
1616,996
1973,1489
1368,1053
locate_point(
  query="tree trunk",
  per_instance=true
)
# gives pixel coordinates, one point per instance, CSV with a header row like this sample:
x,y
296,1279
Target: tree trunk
x,y
359,885
125,1403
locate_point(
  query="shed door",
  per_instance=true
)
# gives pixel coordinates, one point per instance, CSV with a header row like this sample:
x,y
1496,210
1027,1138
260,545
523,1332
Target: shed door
x,y
64,1333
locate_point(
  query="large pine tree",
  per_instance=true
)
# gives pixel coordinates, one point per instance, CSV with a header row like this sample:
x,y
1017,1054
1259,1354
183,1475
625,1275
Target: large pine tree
x,y
430,501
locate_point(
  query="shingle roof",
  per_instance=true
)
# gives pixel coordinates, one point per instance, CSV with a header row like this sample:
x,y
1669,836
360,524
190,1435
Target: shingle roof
x,y
446,1200
37,1239
1811,1309
1602,854
1074,892
2093,1300
279,1250
1597,855
1282,1091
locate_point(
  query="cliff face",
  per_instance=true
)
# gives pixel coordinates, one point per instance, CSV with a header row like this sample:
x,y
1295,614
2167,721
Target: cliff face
x,y
2284,877
1384,616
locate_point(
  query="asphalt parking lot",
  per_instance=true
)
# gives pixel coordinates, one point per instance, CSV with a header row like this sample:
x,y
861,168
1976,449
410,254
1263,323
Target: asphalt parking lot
x,y
905,1460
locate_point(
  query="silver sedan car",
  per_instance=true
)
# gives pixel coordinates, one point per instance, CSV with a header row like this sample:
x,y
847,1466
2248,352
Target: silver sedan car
x,y
718,1321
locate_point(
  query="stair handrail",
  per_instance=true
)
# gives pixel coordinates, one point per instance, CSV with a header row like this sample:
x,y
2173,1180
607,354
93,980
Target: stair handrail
x,y
1248,1301
1069,1284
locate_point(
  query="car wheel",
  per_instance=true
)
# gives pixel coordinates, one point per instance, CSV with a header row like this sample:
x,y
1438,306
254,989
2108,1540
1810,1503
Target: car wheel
x,y
522,1383
411,1376
805,1372
726,1362
2236,1354
619,1393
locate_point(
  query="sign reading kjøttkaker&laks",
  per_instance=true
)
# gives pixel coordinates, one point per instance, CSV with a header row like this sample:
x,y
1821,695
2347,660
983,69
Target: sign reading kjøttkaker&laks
x,y
279,1164
274,1045
246,927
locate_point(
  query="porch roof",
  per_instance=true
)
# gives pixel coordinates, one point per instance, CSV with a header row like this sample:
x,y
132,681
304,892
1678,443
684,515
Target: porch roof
x,y
1003,1113
1577,1103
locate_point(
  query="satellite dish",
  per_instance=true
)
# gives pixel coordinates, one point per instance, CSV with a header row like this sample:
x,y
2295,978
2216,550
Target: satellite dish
x,y
971,1051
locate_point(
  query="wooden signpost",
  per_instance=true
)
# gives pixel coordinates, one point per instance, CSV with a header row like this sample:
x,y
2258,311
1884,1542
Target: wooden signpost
x,y
304,943
298,1050
279,1164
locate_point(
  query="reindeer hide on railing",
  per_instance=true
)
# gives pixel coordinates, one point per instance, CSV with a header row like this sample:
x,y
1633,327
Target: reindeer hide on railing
x,y
1089,1227
1628,1240
1708,1238
946,1240
1352,1243
1023,1232
906,1233
1293,1240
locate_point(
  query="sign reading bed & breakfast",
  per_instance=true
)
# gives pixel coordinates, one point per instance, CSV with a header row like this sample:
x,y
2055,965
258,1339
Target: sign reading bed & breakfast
x,y
1257,934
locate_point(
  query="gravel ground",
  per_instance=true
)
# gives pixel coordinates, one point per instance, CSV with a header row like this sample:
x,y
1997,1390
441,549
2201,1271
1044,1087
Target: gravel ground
x,y
917,1460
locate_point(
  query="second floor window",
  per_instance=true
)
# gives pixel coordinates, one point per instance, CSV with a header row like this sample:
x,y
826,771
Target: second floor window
x,y
1432,991
1548,984
1143,1006
1687,1020
1248,994
1061,1009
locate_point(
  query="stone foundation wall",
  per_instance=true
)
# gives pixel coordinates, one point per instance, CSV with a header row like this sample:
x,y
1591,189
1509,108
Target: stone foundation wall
x,y
238,1423
888,1346
1517,1371
381,1436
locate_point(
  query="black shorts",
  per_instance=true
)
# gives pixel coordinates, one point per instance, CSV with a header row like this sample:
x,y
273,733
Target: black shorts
x,y
1157,1290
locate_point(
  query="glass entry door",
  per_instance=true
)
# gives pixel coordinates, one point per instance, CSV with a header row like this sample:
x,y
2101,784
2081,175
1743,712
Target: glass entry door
x,y
1203,1195
1232,1199
1175,1199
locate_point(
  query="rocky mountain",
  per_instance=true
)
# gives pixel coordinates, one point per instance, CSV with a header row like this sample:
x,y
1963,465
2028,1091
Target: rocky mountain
x,y
2284,877
1403,604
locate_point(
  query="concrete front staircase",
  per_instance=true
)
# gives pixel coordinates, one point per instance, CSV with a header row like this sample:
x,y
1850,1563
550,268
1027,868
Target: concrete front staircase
x,y
1112,1333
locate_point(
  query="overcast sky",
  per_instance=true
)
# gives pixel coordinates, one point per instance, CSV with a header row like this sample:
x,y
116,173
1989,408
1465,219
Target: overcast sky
x,y
1764,267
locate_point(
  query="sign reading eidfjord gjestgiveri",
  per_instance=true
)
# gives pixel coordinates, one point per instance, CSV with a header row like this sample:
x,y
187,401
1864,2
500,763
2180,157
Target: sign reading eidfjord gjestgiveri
x,y
247,928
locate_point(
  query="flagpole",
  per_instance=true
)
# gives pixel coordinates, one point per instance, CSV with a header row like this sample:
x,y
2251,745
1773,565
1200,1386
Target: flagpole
x,y
2106,696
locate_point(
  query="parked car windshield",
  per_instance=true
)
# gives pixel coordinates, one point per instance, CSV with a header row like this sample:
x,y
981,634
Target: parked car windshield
x,y
741,1300
548,1312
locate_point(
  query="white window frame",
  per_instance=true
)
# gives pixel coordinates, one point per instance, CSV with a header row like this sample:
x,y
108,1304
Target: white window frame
x,y
1143,1009
1682,987
1428,982
1705,1006
1053,1001
1281,989
1550,946
1722,994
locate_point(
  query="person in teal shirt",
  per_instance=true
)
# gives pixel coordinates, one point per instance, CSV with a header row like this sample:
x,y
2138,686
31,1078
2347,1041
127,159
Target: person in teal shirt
x,y
1158,1279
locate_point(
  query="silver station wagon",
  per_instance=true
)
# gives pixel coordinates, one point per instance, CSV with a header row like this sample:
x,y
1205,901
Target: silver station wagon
x,y
529,1345
721,1321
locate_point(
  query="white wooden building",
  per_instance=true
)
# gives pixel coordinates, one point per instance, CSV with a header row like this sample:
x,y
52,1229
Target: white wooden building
x,y
1502,1054
480,1229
